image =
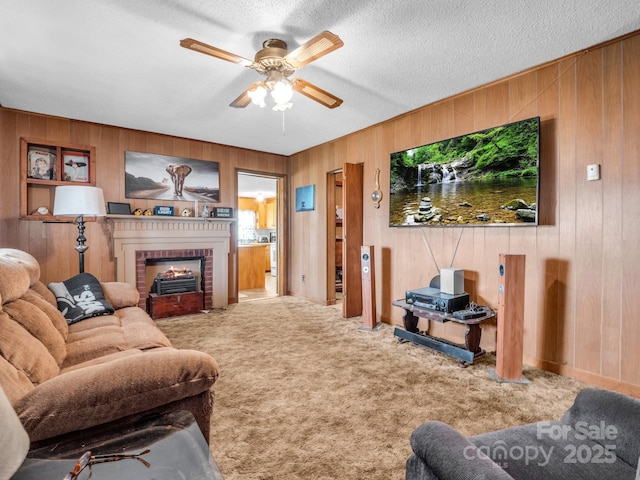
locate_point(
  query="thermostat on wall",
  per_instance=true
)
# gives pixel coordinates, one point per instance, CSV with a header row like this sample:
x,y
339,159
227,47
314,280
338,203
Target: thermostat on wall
x,y
593,172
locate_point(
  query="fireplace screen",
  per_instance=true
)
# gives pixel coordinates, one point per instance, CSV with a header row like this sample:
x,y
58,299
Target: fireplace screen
x,y
174,280
165,278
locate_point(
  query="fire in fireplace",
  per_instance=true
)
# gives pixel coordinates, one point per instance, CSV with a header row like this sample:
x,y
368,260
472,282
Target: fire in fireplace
x,y
174,280
174,275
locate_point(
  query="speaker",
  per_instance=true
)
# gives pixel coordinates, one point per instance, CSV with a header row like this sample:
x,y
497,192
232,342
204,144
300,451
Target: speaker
x,y
509,345
452,281
369,320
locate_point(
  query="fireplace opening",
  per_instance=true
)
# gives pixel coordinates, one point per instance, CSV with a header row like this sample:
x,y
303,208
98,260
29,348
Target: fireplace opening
x,y
171,275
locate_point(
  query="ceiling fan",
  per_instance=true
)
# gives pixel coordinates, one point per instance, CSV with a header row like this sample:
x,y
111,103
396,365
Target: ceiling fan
x,y
278,64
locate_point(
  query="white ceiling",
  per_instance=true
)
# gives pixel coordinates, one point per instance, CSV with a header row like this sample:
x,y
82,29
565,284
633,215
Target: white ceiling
x,y
253,186
119,62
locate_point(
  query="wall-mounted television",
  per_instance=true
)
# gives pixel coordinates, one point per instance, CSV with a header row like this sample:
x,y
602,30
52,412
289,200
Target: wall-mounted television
x,y
489,177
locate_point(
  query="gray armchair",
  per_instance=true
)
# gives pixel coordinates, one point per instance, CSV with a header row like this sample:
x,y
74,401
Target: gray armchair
x,y
597,438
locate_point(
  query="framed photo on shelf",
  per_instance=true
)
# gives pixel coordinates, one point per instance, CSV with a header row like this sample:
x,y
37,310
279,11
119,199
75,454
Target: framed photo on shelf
x,y
41,163
76,167
119,208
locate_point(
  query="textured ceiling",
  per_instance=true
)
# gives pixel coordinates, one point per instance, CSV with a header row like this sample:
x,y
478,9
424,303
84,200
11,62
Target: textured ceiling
x,y
119,62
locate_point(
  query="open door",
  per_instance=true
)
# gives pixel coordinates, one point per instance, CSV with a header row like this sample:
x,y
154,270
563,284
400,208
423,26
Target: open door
x,y
352,227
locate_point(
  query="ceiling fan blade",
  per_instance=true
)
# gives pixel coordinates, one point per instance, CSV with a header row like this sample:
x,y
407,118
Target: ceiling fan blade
x,y
318,46
243,100
316,93
197,46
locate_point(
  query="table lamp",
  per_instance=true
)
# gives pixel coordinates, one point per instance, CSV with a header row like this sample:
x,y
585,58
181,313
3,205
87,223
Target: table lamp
x,y
79,201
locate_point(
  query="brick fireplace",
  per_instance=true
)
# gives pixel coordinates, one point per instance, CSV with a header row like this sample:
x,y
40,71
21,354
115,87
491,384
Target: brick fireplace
x,y
136,238
144,256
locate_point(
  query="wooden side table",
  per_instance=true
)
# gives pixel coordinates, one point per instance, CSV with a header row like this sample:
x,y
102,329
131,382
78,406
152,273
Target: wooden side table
x,y
465,353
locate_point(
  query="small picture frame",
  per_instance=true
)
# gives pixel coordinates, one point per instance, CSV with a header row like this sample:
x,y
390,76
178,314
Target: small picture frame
x,y
305,198
163,210
117,208
76,167
41,163
222,212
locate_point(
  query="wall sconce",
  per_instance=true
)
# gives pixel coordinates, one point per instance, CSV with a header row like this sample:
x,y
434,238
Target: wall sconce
x,y
376,195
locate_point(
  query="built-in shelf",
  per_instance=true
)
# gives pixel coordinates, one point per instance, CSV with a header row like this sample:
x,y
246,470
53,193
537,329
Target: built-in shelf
x,y
45,165
169,218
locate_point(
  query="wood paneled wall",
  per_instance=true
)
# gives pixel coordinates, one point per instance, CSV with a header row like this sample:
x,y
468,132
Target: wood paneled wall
x,y
582,262
52,243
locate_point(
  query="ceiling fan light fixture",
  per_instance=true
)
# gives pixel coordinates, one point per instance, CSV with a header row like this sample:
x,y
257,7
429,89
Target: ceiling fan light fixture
x,y
282,92
276,63
257,95
281,107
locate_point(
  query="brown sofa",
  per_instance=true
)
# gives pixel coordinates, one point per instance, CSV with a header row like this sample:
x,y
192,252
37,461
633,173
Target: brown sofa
x,y
62,379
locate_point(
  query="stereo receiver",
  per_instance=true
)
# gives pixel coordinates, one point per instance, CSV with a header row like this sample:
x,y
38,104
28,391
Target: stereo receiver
x,y
434,299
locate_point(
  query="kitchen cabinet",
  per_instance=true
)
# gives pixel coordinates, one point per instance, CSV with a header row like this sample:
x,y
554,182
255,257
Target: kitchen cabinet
x,y
261,215
271,212
265,211
267,258
251,265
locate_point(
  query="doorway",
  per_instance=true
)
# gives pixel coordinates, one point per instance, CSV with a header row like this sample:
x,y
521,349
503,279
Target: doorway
x,y
344,238
335,237
257,239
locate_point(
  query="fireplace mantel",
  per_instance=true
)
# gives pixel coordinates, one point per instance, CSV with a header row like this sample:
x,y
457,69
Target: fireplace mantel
x,y
132,233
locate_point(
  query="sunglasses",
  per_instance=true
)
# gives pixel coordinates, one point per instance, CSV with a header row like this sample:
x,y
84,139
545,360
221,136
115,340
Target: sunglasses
x,y
88,460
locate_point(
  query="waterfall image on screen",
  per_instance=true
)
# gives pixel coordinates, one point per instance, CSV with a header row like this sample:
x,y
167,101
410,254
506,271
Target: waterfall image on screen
x,y
485,178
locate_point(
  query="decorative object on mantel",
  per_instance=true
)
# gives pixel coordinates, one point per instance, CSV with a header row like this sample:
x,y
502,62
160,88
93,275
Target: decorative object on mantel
x,y
137,212
304,198
163,211
148,212
163,177
186,212
376,195
118,208
222,212
80,201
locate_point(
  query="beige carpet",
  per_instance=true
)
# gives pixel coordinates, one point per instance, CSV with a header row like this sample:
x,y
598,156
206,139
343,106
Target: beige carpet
x,y
305,394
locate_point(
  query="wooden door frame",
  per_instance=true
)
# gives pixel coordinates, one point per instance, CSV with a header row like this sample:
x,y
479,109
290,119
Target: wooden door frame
x,y
282,231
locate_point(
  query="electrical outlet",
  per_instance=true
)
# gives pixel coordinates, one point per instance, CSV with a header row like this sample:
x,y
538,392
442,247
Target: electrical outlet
x,y
303,278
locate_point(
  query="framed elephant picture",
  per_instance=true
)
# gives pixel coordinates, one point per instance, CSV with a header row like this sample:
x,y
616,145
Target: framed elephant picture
x,y
164,177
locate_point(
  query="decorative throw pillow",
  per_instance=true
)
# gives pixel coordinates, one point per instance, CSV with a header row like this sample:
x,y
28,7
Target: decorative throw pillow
x,y
80,297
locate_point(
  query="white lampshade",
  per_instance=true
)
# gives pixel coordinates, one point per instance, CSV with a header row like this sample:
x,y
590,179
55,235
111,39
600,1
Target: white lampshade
x,y
79,200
